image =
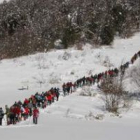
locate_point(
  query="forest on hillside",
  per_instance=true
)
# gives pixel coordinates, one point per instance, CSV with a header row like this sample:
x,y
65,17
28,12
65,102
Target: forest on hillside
x,y
29,26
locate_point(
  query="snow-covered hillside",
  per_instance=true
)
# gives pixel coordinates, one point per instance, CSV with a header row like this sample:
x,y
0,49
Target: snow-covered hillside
x,y
53,69
73,117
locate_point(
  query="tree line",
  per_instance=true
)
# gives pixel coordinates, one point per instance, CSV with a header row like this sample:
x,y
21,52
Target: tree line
x,y
29,26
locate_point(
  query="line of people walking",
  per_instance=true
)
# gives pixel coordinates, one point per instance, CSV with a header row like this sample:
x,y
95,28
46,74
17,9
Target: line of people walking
x,y
29,107
70,87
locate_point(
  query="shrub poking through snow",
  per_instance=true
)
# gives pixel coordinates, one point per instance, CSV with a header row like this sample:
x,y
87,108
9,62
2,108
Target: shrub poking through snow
x,y
106,62
72,73
87,91
91,116
99,117
66,56
54,80
40,79
67,112
40,59
135,76
114,94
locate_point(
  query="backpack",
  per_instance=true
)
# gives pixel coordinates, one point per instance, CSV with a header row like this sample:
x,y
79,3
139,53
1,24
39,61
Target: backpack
x,y
22,110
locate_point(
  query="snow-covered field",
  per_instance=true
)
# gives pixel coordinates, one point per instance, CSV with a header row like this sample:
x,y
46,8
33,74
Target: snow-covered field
x,y
73,117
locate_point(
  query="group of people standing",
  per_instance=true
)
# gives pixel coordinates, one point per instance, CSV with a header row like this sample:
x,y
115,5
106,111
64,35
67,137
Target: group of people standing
x,y
22,110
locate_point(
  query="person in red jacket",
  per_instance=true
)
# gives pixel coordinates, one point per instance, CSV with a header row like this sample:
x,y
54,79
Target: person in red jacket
x,y
17,112
49,97
26,101
26,113
35,115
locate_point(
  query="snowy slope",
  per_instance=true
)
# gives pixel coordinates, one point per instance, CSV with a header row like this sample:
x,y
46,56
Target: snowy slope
x,y
53,127
53,70
73,117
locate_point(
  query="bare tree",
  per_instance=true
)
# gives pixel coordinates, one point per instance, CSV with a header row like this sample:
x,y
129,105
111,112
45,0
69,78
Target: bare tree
x,y
114,93
135,76
40,79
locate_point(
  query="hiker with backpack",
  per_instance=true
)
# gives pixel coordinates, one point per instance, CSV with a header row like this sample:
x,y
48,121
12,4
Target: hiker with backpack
x,y
64,89
1,115
57,93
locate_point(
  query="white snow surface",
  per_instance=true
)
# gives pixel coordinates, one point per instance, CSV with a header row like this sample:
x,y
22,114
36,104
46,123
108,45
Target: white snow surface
x,y
73,116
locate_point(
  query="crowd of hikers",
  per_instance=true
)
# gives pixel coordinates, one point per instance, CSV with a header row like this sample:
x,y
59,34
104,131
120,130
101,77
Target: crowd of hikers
x,y
70,87
29,107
